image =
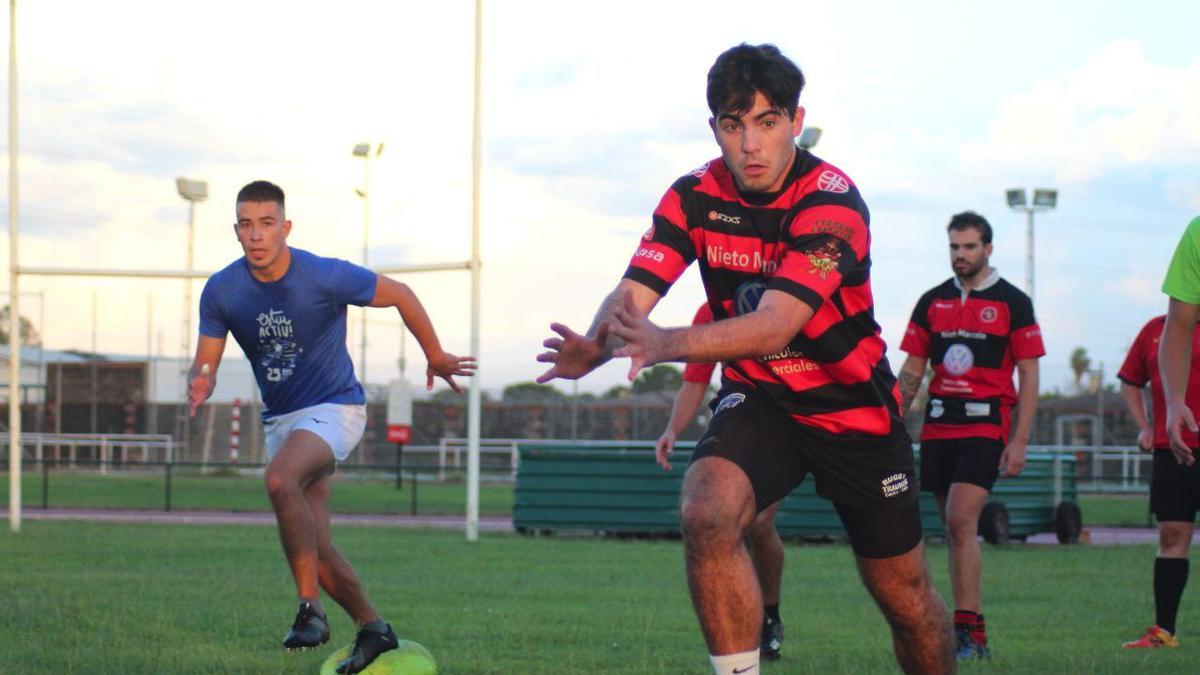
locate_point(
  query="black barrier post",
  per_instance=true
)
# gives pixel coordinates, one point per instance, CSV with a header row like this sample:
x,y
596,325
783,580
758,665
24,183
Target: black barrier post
x,y
413,478
45,484
168,490
399,466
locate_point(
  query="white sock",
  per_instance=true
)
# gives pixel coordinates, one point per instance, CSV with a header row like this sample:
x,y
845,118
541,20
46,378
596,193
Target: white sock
x,y
735,664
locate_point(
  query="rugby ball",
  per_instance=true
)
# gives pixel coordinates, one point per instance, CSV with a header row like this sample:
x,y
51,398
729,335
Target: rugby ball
x,y
409,658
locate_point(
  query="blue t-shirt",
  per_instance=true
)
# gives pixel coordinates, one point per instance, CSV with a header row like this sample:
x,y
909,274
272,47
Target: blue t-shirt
x,y
293,330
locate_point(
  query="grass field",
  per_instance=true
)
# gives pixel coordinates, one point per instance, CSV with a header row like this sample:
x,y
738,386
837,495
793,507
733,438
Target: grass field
x,y
119,598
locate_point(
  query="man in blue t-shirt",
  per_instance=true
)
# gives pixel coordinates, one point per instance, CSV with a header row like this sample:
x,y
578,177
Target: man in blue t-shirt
x,y
287,310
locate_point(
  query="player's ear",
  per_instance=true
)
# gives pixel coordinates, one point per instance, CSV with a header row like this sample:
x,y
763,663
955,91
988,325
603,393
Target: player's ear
x,y
287,228
798,121
712,124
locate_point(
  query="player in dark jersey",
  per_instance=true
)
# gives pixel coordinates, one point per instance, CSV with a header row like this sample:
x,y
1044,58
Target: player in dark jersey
x,y
287,310
975,328
1174,487
782,242
762,539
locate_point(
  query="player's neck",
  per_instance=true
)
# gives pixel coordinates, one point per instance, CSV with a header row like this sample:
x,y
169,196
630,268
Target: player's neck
x,y
274,271
975,280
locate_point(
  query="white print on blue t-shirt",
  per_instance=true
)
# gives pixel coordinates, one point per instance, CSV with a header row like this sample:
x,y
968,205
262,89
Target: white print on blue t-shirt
x,y
277,350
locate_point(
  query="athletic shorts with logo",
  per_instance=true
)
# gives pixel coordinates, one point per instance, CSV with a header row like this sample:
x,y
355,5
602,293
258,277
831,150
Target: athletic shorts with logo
x,y
1174,488
959,460
340,425
869,479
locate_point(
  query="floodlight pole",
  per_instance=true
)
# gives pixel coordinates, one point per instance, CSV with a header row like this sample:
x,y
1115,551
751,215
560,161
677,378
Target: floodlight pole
x,y
1043,200
14,310
473,403
1029,252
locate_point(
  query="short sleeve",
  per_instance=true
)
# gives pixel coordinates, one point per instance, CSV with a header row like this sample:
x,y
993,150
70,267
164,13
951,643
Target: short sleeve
x,y
917,336
212,313
1134,371
824,244
665,250
1025,338
1183,275
353,284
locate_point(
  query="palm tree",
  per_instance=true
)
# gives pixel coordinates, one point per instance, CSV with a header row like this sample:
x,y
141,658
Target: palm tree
x,y
1080,364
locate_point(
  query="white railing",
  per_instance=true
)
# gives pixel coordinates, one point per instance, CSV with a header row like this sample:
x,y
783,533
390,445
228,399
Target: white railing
x,y
65,448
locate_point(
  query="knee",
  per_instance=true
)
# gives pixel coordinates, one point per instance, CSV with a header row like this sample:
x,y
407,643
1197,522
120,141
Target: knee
x,y
706,522
961,528
278,484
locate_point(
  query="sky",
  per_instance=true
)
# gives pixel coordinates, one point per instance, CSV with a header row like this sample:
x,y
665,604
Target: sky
x,y
589,114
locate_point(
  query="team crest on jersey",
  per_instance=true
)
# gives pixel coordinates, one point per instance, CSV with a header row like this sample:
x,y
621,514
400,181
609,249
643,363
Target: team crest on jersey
x,y
747,296
824,259
730,401
987,314
830,181
958,359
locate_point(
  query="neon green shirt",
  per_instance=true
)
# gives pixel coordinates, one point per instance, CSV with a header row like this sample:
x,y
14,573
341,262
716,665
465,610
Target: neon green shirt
x,y
1183,275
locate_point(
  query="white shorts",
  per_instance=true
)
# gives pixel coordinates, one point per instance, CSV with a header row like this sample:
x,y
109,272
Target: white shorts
x,y
340,425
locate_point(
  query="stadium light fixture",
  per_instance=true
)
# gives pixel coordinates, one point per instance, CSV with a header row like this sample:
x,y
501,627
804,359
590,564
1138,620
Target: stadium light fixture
x,y
808,138
1046,199
192,190
1043,200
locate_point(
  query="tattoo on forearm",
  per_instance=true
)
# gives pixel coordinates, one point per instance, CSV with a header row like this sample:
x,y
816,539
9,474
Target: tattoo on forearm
x,y
910,384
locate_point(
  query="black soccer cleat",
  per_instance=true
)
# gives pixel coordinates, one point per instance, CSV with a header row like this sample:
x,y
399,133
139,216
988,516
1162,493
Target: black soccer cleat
x,y
309,630
368,645
772,639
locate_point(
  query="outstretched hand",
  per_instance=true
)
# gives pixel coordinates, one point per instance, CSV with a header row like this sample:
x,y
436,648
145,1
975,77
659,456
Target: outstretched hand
x,y
663,449
645,343
446,366
572,355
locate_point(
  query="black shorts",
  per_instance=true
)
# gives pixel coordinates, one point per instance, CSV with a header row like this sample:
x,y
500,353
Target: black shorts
x,y
869,479
1174,488
959,460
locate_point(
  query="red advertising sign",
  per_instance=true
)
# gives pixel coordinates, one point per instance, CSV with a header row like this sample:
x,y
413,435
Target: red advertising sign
x,y
399,433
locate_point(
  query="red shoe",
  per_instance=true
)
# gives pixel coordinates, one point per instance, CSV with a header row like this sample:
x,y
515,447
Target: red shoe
x,y
1154,638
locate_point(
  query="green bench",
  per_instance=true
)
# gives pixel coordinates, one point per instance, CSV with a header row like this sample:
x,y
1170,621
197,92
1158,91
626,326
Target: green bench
x,y
617,489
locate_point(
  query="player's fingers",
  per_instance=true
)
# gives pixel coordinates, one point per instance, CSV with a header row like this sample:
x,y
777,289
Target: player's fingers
x,y
453,385
547,376
429,380
547,357
602,331
552,343
562,330
1190,420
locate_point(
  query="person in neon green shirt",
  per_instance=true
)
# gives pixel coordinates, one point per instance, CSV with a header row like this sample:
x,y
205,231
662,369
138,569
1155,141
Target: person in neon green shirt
x,y
1175,350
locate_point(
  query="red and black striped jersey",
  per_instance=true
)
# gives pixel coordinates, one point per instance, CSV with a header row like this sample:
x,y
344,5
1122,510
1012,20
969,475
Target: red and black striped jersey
x,y
1141,368
700,372
973,340
811,240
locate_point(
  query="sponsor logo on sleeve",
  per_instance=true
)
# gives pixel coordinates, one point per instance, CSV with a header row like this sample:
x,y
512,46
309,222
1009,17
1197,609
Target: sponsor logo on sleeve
x,y
649,254
830,181
649,236
823,259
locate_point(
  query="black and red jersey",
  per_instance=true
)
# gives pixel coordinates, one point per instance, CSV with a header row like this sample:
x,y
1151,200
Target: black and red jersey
x,y
973,340
809,239
1141,368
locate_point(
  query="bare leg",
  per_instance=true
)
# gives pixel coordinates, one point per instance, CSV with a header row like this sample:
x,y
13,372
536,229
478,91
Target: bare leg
x,y
920,626
717,507
766,549
303,459
334,572
960,511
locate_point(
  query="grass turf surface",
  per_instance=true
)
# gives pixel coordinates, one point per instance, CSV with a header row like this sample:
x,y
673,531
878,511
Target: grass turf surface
x,y
123,598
